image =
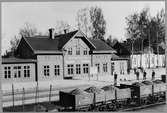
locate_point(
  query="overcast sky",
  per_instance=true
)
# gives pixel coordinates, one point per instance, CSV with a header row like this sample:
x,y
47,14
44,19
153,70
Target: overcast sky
x,y
45,15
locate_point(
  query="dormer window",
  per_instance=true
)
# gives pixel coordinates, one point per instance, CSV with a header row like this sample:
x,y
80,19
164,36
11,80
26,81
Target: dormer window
x,y
69,51
77,51
85,51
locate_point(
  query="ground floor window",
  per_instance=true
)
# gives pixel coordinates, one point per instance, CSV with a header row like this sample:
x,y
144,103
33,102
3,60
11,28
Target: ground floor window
x,y
17,71
26,71
121,68
78,69
57,70
105,67
46,70
98,67
85,68
70,69
7,72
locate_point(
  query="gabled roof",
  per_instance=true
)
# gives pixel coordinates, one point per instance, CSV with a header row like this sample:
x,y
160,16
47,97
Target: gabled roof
x,y
44,44
121,49
101,45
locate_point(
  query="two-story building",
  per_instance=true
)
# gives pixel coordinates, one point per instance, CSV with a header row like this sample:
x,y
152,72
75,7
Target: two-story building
x,y
66,56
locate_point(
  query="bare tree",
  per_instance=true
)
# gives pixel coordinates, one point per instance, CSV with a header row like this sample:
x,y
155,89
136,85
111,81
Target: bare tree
x,y
28,30
61,26
83,20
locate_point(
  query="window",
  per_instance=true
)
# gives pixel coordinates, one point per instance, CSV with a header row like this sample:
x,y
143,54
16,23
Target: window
x,y
85,68
69,51
85,51
57,70
121,68
105,67
26,71
98,67
46,70
77,51
7,72
70,69
78,69
17,71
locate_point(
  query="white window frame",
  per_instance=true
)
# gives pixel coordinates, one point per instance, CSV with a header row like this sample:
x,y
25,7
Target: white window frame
x,y
7,72
17,71
69,51
77,51
85,52
57,70
105,67
26,71
46,70
70,69
78,68
85,68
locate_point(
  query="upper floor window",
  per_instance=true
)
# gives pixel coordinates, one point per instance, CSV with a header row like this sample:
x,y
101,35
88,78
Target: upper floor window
x,y
7,72
57,70
85,68
77,51
105,67
70,69
69,51
26,71
17,71
85,51
78,69
46,70
98,67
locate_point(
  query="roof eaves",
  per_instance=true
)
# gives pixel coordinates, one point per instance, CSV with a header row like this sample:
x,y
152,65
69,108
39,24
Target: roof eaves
x,y
46,51
87,39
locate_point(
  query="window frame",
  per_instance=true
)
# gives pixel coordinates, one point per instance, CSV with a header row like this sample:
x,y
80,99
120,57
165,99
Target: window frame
x,y
105,67
69,51
78,69
85,68
70,69
17,71
57,70
46,70
78,51
7,72
26,71
85,52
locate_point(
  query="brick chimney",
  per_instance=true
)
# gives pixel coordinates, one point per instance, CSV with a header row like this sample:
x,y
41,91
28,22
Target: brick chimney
x,y
51,33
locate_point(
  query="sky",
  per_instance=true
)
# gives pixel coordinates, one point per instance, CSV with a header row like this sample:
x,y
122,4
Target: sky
x,y
44,15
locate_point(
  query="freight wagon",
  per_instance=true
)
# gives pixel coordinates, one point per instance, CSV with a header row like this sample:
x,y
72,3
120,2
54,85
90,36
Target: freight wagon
x,y
76,100
159,88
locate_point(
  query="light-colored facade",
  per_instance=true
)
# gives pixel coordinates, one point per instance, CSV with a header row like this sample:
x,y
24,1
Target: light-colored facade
x,y
73,60
18,72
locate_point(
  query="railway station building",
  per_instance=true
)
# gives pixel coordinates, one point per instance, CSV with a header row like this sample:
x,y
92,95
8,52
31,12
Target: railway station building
x,y
66,56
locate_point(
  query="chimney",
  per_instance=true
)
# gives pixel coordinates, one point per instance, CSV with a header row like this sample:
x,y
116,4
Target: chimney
x,y
51,33
65,31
